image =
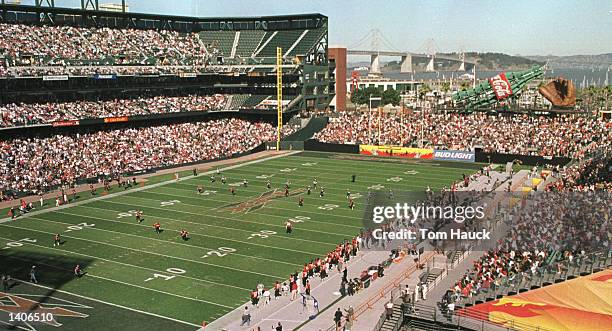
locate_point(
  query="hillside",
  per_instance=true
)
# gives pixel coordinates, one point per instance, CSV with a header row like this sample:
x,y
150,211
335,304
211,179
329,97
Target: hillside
x,y
575,61
485,61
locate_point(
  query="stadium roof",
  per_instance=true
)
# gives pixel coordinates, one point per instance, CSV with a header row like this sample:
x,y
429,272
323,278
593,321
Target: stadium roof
x,y
277,21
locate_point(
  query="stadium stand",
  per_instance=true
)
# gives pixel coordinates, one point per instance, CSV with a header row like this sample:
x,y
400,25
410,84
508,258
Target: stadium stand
x,y
29,114
221,40
248,42
307,42
284,39
33,165
517,134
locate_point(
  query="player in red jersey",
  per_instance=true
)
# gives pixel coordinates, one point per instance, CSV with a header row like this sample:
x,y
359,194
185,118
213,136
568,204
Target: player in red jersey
x,y
78,271
157,227
184,234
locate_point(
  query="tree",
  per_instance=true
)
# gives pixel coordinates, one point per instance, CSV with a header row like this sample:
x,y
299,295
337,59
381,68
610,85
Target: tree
x,y
362,96
424,89
391,96
445,87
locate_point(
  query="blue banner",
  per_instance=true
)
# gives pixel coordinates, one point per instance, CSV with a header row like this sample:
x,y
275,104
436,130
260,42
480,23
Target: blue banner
x,y
109,76
448,155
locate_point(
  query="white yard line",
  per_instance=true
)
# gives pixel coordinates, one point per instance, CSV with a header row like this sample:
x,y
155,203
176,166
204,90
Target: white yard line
x,y
233,240
154,239
227,218
129,265
136,286
152,253
108,303
146,187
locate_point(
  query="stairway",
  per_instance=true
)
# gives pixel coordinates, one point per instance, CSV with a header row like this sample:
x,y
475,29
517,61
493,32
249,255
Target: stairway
x,y
394,322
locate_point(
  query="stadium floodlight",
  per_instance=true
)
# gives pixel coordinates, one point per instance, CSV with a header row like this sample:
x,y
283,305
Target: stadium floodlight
x,y
370,116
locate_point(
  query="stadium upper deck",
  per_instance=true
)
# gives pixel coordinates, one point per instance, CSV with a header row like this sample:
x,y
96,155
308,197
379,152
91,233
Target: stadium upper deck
x,y
74,38
59,44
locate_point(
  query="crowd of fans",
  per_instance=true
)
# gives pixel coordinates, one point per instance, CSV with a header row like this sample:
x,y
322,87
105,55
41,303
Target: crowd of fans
x,y
553,232
37,165
28,114
569,136
593,173
43,50
63,45
92,70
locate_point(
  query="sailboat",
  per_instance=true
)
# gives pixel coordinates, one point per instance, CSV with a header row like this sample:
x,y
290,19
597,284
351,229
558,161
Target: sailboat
x,y
584,81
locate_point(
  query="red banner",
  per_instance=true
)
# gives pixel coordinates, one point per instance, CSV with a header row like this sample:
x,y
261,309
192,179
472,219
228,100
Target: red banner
x,y
500,86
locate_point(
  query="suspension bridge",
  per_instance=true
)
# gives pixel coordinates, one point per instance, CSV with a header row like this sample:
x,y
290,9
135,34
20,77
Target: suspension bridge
x,y
376,45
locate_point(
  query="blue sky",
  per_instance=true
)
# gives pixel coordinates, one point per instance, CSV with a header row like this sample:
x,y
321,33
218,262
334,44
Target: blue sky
x,y
542,27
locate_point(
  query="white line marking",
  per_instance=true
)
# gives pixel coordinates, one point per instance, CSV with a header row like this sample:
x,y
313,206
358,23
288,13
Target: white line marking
x,y
155,239
132,265
152,253
108,303
227,239
133,285
142,188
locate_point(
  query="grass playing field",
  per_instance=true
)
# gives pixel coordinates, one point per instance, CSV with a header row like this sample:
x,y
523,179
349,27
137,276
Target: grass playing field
x,y
235,241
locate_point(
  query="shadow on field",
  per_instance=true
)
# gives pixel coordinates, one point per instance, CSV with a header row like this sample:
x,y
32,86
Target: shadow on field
x,y
51,270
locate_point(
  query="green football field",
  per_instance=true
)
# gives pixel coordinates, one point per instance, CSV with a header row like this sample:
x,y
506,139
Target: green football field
x,y
235,241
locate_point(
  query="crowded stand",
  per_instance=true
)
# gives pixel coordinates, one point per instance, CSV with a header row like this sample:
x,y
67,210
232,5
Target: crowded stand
x,y
35,165
566,136
43,50
29,114
554,232
593,173
65,45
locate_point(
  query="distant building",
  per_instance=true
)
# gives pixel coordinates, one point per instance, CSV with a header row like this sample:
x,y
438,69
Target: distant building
x,y
402,85
116,7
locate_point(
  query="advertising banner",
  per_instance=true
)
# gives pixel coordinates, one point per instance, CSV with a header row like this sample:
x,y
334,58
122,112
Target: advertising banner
x,y
64,77
65,123
397,151
448,155
501,86
116,119
110,76
187,74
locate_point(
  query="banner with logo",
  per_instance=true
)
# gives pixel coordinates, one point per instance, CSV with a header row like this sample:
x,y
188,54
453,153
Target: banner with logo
x,y
397,151
501,86
65,123
447,155
116,119
61,77
100,76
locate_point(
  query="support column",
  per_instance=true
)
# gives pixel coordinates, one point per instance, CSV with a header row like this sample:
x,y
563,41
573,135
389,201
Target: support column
x,y
375,64
406,64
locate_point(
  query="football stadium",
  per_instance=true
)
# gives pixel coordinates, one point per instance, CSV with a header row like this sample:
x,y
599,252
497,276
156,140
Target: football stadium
x,y
201,172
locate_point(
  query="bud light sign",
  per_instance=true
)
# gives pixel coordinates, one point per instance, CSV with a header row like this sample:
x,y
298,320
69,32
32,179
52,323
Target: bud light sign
x,y
445,155
501,86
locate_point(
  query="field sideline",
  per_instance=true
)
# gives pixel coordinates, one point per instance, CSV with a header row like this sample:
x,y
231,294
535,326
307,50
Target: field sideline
x,y
235,241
